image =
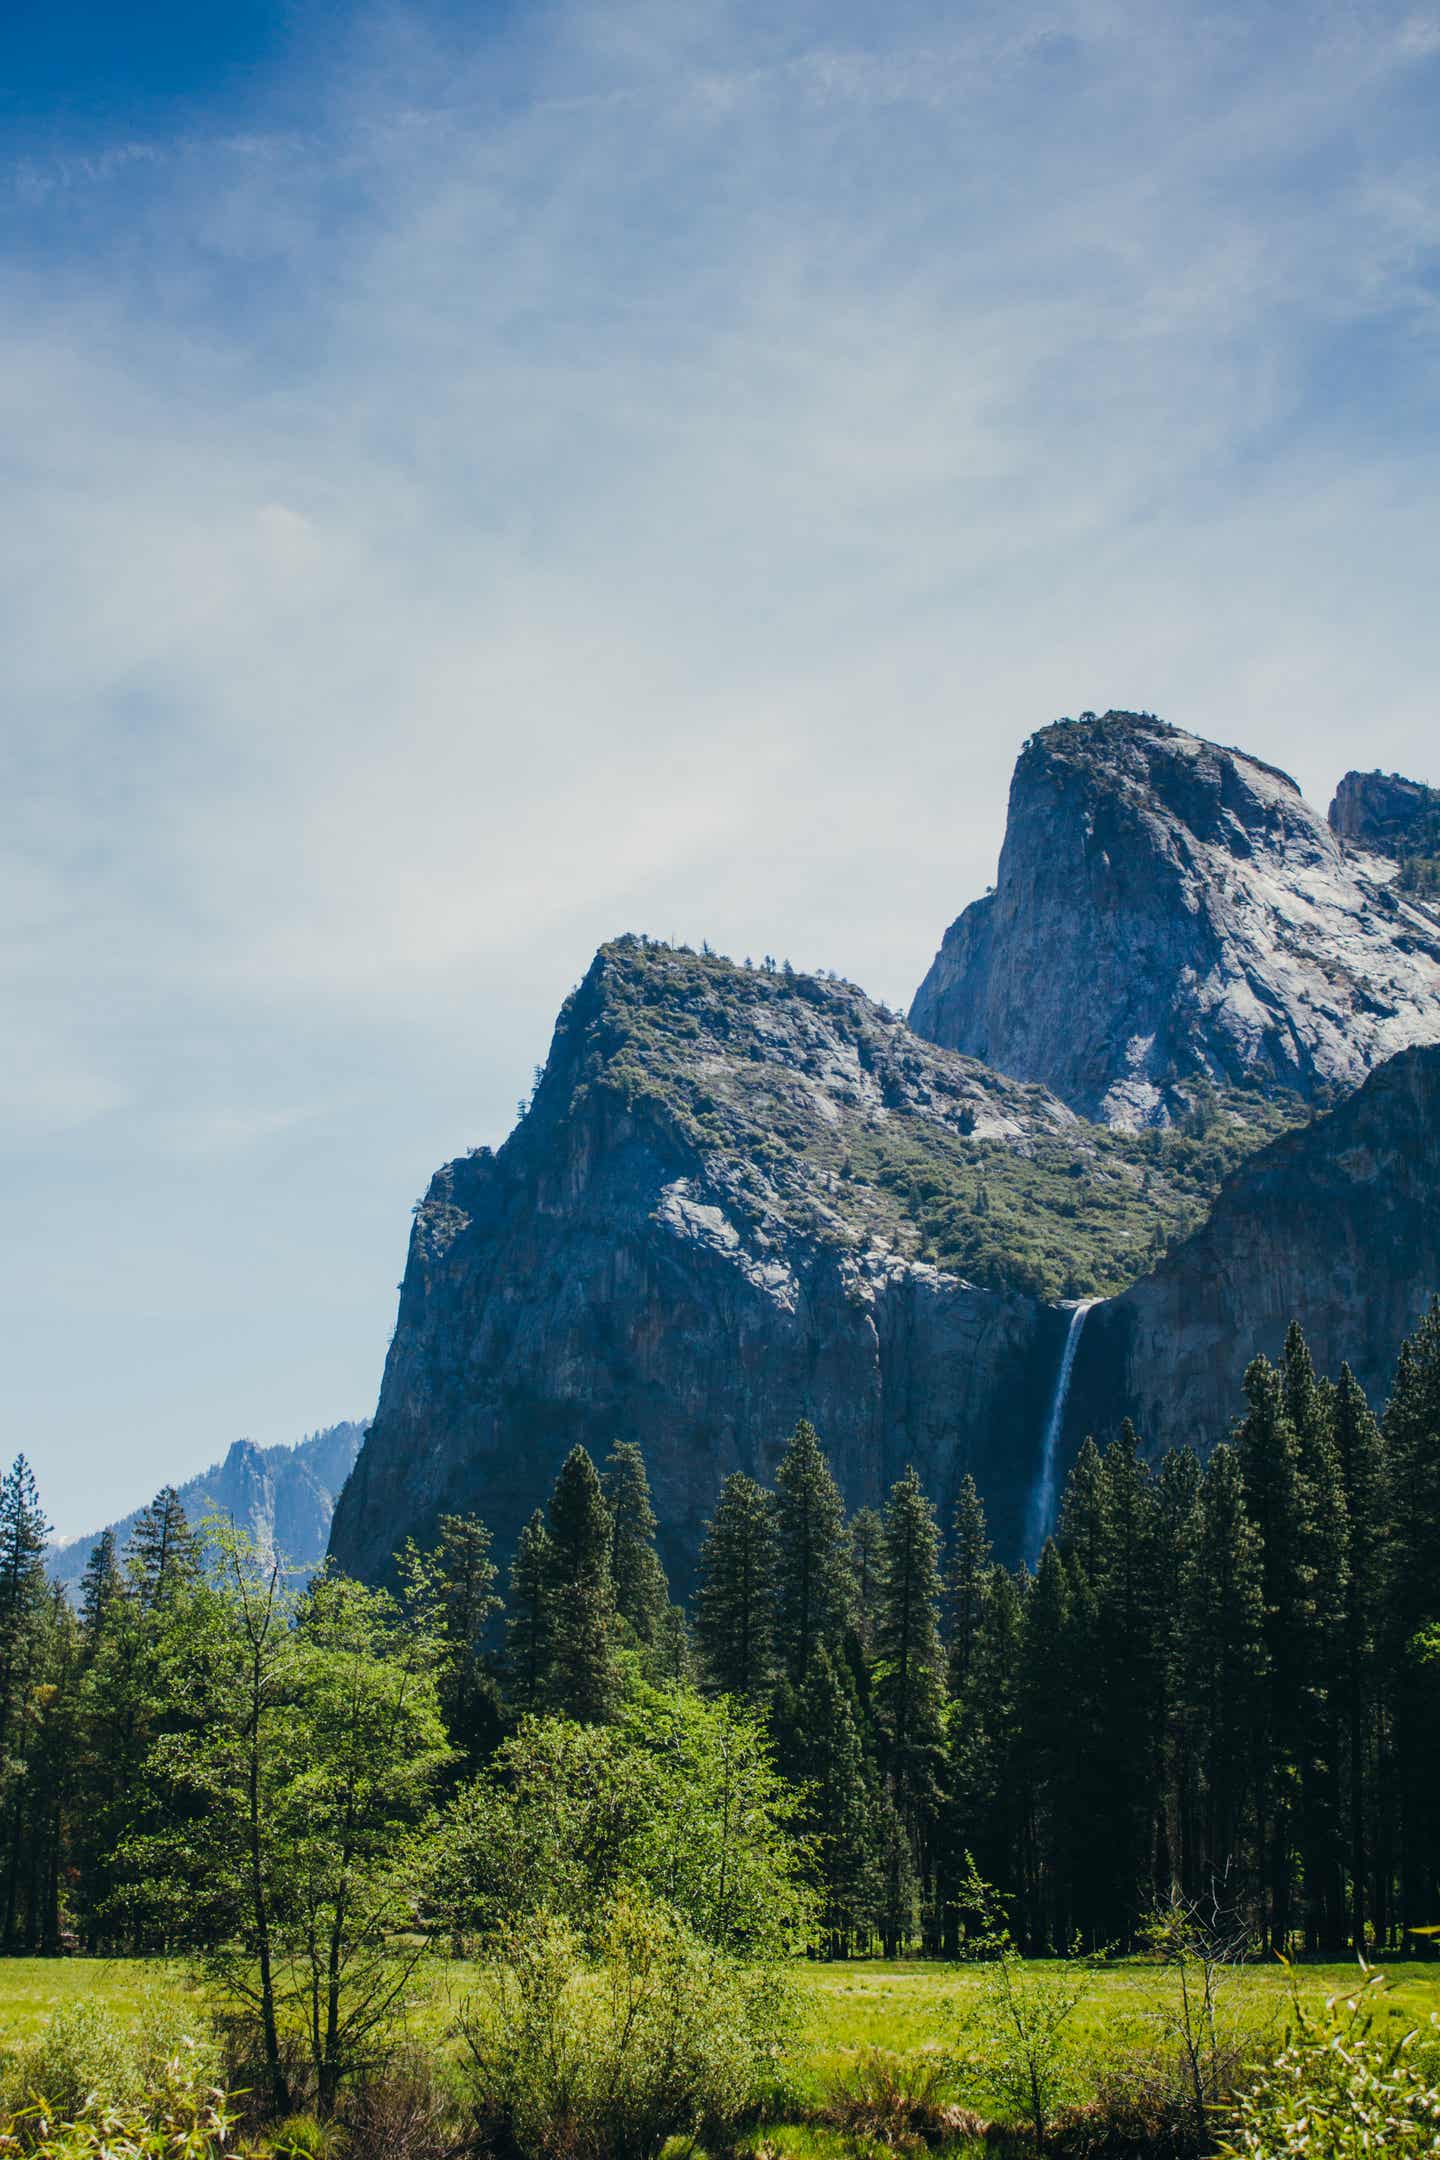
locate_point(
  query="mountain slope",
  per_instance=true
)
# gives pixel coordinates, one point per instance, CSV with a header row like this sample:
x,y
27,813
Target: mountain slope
x,y
1336,1225
283,1497
738,1196
1171,913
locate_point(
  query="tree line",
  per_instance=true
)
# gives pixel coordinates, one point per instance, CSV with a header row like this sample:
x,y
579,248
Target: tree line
x,y
1219,1674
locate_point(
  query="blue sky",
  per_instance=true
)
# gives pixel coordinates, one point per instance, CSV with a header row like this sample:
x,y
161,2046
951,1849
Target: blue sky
x,y
477,480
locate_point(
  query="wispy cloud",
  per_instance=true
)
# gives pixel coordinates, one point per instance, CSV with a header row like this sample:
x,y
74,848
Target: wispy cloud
x,y
649,468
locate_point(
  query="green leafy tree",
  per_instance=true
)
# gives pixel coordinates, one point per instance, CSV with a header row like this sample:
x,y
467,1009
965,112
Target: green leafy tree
x,y
293,1847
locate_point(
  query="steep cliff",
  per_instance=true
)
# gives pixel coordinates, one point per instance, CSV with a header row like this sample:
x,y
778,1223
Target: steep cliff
x,y
1384,813
1336,1225
1167,913
282,1497
739,1196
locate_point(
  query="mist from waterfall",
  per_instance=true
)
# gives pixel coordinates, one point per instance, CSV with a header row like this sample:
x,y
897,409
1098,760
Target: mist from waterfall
x,y
1042,1505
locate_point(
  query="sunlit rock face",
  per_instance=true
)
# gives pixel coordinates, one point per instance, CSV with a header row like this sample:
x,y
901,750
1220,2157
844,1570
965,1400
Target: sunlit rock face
x,y
686,1242
1168,912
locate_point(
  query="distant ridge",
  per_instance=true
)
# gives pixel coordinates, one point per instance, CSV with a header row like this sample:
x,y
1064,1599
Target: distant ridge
x,y
283,1497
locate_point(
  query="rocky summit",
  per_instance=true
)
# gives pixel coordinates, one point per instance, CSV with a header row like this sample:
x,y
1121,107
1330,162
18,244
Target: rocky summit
x,y
1088,1180
1168,914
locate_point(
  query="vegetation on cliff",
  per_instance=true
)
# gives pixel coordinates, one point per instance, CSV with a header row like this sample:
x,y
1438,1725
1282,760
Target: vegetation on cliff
x,y
813,1113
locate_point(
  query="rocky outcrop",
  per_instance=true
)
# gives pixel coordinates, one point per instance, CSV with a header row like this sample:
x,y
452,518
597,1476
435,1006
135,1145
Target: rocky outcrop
x,y
1169,912
1383,814
692,1239
1336,1225
283,1497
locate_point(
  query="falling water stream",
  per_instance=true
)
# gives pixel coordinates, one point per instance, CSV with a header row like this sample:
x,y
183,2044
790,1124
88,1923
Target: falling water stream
x,y
1042,1505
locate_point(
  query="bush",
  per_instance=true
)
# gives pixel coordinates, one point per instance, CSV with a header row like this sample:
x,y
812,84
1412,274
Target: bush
x,y
409,2111
84,2058
90,2077
1337,2090
901,2102
300,2137
605,2057
189,2130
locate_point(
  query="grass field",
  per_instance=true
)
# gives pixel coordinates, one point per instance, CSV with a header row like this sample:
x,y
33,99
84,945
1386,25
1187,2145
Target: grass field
x,y
847,2007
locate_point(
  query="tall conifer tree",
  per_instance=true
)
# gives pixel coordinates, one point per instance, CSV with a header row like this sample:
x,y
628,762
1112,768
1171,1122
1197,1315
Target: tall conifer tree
x,y
642,1594
528,1624
814,1587
583,1680
735,1601
965,1581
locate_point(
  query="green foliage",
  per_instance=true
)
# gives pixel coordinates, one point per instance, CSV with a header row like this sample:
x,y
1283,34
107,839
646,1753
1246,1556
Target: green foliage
x,y
603,2048
678,1800
1338,2091
89,2082
834,1118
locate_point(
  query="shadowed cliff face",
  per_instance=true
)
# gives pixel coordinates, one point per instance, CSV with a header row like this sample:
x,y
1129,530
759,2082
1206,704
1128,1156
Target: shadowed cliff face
x,y
1168,911
676,1246
1337,1225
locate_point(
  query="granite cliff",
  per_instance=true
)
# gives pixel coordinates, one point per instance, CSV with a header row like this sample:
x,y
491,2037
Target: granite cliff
x,y
1336,1225
283,1497
1170,913
739,1195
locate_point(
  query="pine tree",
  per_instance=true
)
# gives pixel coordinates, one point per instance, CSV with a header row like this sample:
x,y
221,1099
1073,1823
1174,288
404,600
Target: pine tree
x,y
1083,1533
161,1552
460,1577
25,1603
100,1585
1275,1498
1309,1407
909,1662
866,1537
735,1601
1176,1774
814,1579
1412,1444
986,1812
1046,1760
528,1628
23,1592
583,1680
965,1581
1361,1455
642,1594
829,1763
1224,1684
1132,1710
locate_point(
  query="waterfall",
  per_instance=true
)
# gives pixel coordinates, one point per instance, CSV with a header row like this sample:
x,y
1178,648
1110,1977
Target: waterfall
x,y
1042,1505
